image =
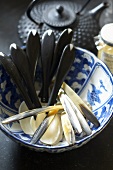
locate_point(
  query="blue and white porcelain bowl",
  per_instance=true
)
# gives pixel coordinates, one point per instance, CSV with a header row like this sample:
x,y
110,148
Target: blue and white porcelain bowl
x,y
89,77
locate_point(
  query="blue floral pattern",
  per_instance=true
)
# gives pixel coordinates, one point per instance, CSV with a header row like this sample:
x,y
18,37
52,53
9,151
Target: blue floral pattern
x,y
93,96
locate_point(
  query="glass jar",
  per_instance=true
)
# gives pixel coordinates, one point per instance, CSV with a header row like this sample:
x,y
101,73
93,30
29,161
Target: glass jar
x,y
105,45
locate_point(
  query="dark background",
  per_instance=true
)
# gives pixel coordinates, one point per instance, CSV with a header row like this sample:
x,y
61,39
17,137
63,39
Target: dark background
x,y
95,155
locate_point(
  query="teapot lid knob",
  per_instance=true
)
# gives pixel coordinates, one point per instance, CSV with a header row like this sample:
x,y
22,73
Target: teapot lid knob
x,y
59,9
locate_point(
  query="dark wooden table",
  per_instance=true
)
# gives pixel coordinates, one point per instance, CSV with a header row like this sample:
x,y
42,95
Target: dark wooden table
x,y
95,155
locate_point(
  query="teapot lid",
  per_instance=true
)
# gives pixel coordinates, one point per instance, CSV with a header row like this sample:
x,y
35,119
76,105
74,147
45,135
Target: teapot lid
x,y
59,16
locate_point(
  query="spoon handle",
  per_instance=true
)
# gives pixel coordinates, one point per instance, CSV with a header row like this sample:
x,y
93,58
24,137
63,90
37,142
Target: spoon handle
x,y
13,72
33,49
47,51
65,63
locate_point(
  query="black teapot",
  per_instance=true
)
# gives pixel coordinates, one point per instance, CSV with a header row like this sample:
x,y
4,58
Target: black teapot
x,y
58,15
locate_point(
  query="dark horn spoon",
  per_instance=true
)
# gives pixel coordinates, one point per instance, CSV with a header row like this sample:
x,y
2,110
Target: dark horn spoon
x,y
64,39
65,64
20,60
33,49
47,51
13,72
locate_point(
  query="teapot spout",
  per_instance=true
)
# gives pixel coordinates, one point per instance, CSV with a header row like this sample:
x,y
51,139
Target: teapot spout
x,y
96,12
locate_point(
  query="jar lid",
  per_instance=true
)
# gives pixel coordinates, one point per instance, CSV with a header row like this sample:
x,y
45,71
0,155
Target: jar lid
x,y
107,34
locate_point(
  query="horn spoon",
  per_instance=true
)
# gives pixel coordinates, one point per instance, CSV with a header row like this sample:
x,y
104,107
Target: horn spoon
x,y
13,72
64,66
33,48
80,117
19,58
47,50
30,113
64,39
71,114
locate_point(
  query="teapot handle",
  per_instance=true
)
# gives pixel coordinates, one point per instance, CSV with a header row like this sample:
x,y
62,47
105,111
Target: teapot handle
x,y
29,9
